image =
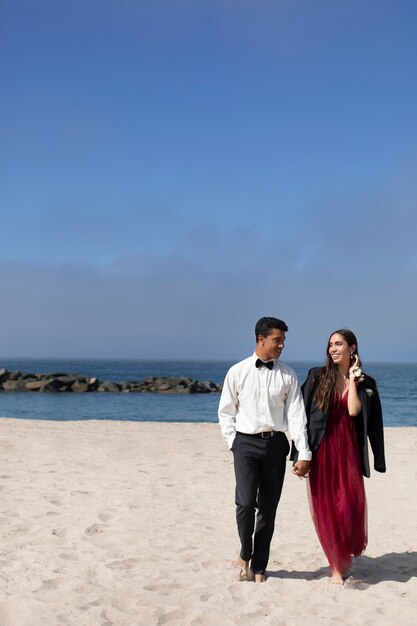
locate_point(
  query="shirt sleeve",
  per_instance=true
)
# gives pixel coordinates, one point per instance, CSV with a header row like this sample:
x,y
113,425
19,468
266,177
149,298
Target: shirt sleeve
x,y
297,420
228,407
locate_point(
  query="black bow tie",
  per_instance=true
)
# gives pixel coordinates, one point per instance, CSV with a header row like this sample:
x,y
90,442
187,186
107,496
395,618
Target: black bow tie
x,y
268,364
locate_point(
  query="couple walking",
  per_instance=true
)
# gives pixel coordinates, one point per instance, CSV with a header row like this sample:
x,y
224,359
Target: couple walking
x,y
329,421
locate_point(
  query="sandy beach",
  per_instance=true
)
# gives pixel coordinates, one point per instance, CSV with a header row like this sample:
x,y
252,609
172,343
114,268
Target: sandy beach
x,y
122,523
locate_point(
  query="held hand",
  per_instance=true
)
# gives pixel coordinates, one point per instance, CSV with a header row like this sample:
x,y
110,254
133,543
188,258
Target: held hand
x,y
301,468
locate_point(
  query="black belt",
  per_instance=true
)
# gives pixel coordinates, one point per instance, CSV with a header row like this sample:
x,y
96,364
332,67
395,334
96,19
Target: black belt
x,y
264,435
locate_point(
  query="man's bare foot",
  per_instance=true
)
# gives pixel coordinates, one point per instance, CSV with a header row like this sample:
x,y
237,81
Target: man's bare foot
x,y
243,568
337,578
260,578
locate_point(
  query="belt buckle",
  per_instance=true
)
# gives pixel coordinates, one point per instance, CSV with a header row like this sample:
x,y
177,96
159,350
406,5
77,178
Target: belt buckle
x,y
267,434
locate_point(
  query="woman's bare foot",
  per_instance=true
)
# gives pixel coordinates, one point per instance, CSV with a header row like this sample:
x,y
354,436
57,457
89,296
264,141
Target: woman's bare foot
x,y
337,578
260,578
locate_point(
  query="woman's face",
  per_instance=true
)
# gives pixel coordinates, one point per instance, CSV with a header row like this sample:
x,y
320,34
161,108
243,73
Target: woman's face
x,y
339,350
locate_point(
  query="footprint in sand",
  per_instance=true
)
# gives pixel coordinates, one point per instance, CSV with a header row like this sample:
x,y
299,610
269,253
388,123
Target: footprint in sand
x,y
162,587
68,557
123,564
178,614
54,501
52,583
66,533
94,529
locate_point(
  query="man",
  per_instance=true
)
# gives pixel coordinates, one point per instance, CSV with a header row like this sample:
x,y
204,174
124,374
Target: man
x,y
261,399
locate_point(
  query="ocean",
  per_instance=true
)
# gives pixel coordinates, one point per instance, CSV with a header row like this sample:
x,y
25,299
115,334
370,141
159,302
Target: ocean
x,y
397,384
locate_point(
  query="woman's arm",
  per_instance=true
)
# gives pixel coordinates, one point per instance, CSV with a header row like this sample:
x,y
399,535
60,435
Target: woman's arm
x,y
354,403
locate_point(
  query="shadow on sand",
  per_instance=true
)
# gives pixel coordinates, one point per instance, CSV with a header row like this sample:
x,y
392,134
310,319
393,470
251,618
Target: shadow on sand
x,y
366,571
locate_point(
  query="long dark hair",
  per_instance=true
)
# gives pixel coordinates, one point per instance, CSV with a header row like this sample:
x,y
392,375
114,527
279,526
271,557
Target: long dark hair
x,y
326,379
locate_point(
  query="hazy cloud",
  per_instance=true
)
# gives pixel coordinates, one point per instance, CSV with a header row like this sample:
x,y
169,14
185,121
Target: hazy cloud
x,y
166,308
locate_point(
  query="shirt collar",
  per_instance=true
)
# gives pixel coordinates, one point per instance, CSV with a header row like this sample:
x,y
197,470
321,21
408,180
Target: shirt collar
x,y
255,357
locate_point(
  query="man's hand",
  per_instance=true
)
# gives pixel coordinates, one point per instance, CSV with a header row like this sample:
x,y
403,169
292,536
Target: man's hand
x,y
301,468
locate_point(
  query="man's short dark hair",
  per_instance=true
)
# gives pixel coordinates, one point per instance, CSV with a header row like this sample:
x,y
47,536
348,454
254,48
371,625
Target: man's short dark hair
x,y
265,325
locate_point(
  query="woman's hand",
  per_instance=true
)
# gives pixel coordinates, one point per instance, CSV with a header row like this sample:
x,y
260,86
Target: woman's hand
x,y
356,376
356,365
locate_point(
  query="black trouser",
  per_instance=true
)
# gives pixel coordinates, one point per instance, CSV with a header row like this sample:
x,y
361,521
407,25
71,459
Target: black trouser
x,y
259,470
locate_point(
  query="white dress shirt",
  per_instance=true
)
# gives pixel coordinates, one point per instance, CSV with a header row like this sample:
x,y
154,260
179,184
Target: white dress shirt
x,y
255,400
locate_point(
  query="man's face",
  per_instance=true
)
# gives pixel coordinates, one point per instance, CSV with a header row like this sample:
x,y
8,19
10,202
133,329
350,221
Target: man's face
x,y
270,347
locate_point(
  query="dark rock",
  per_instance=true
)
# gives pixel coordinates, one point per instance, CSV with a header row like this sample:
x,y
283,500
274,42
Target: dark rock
x,y
125,386
46,384
207,384
109,386
14,385
35,385
196,387
50,384
80,386
59,374
67,381
136,388
181,389
59,381
93,384
163,386
15,375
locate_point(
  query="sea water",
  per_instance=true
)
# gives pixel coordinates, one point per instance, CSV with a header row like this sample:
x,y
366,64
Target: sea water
x,y
397,384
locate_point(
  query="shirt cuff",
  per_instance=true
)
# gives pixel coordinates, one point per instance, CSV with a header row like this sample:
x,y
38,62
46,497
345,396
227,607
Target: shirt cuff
x,y
230,440
304,455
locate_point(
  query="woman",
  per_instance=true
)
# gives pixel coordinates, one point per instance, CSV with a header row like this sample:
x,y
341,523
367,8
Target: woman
x,y
343,411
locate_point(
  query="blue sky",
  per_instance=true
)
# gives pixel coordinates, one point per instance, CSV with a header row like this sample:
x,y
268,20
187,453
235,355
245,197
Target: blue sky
x,y
171,171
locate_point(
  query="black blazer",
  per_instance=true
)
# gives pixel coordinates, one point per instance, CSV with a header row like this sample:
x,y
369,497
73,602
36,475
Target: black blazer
x,y
368,422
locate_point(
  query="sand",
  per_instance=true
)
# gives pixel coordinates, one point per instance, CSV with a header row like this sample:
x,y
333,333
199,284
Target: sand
x,y
127,523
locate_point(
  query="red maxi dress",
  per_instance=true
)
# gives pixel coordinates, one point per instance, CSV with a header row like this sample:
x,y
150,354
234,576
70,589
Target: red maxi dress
x,y
336,489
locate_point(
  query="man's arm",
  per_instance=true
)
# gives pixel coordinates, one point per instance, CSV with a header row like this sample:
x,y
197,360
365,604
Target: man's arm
x,y
228,409
297,425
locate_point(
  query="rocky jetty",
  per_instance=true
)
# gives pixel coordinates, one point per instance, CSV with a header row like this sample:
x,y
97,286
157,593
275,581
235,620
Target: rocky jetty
x,y
62,382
